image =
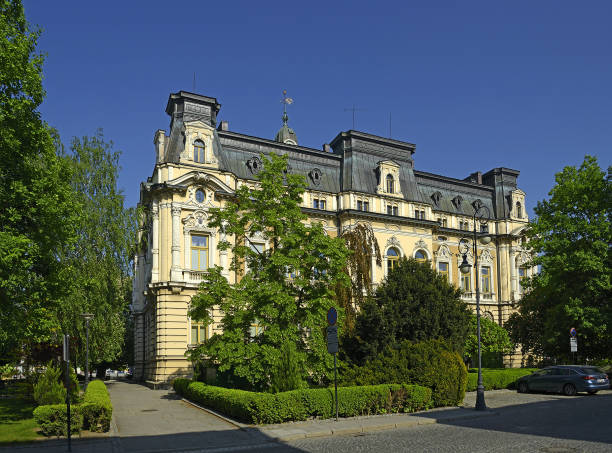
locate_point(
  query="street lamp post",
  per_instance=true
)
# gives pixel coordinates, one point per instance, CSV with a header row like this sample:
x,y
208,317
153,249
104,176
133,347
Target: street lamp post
x,y
88,317
481,216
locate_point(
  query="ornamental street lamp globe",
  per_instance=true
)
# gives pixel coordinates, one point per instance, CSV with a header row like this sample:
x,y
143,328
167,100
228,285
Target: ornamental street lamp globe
x,y
465,267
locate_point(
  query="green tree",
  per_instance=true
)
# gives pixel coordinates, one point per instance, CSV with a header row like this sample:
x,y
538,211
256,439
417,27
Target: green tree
x,y
97,268
570,238
362,243
37,205
413,303
280,302
494,340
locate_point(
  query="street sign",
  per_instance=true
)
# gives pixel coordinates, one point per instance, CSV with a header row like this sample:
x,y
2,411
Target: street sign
x,y
573,332
332,339
332,316
573,345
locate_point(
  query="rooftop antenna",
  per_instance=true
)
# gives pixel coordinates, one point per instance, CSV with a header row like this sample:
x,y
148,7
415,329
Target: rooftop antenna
x,y
353,109
389,124
285,101
194,80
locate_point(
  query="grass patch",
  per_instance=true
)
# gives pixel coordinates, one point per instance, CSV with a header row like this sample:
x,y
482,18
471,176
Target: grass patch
x,y
17,422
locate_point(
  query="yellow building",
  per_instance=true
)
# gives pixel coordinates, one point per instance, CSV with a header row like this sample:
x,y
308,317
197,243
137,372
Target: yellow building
x,y
356,178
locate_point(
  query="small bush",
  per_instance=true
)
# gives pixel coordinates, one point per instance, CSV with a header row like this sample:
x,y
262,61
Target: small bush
x,y
254,407
49,389
97,408
53,422
431,364
497,379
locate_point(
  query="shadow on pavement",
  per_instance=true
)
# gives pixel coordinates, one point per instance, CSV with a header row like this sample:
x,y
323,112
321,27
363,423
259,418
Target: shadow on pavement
x,y
584,418
209,441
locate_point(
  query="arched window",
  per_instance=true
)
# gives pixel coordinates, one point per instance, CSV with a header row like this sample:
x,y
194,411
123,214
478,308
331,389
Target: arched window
x,y
390,184
198,151
392,258
519,210
420,256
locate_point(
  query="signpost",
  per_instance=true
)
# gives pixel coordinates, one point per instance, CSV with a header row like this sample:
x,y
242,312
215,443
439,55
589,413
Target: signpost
x,y
332,346
573,343
67,360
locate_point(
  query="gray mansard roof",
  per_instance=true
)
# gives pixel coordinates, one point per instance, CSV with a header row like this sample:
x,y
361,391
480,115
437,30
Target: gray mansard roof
x,y
349,163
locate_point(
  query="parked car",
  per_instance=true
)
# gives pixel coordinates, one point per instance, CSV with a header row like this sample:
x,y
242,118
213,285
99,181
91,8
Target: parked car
x,y
566,379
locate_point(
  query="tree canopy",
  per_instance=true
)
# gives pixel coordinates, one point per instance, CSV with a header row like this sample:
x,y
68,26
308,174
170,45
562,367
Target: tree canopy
x,y
287,272
570,238
37,204
494,339
413,303
97,266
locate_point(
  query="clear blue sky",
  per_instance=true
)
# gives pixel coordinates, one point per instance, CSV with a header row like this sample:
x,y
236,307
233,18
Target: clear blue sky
x,y
475,84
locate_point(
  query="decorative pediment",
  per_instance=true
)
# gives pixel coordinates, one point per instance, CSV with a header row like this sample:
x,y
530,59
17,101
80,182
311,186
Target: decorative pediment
x,y
200,178
523,258
486,257
477,204
197,220
444,252
392,242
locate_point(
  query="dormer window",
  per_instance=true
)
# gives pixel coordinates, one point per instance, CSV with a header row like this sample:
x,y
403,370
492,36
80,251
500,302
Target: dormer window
x,y
390,184
198,151
519,210
457,201
436,196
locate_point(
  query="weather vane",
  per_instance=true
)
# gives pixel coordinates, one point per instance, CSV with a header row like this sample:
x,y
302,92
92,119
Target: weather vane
x,y
285,101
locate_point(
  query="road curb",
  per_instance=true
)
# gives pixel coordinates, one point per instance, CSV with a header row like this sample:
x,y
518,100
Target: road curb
x,y
291,433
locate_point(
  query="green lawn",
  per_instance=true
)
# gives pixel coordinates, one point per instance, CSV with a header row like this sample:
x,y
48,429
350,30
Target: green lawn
x,y
16,421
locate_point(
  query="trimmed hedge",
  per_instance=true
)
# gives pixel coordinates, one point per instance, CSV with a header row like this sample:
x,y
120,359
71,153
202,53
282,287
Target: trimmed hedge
x,y
431,363
497,379
94,414
53,422
97,408
258,408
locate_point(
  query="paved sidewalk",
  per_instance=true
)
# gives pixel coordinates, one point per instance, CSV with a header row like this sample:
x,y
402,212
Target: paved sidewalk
x,y
158,420
146,420
320,428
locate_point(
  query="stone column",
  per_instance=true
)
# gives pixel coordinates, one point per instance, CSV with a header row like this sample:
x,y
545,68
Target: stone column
x,y
175,270
155,243
513,272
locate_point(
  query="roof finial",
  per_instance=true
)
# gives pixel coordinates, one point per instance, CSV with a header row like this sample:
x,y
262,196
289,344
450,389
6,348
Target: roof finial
x,y
285,101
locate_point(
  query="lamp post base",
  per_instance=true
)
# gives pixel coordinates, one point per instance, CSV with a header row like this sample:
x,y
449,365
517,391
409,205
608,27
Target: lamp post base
x,y
480,398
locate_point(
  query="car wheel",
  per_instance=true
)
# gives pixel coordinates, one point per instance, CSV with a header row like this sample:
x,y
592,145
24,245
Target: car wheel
x,y
522,387
592,392
569,389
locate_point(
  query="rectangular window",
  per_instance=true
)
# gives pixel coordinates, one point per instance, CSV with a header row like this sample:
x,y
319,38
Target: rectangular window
x,y
444,223
394,210
199,252
486,279
466,282
359,205
366,206
199,333
389,210
443,269
318,203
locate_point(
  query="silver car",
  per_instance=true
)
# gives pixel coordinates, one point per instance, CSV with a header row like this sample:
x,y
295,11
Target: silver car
x,y
566,379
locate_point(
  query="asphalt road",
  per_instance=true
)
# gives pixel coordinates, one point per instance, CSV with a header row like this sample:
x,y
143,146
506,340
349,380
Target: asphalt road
x,y
540,423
